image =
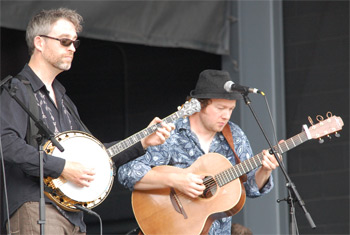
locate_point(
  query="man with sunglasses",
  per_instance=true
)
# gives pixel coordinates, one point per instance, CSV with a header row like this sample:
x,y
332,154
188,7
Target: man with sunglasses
x,y
52,40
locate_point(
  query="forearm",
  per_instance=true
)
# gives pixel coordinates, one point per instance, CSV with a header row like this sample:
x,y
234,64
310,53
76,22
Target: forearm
x,y
128,155
155,180
262,177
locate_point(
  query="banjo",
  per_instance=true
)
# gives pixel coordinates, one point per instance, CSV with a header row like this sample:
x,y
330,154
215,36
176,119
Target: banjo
x,y
86,149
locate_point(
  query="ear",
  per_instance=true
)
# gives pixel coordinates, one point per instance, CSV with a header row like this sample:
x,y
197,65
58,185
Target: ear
x,y
39,43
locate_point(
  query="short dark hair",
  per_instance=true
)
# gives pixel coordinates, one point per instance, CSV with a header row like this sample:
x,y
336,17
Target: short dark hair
x,y
203,101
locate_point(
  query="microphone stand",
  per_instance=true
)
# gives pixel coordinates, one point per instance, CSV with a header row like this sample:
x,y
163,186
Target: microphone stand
x,y
44,134
293,193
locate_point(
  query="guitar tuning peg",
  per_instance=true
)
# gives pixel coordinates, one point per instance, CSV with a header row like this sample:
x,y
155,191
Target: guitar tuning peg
x,y
310,120
329,114
320,140
319,118
329,137
337,134
178,107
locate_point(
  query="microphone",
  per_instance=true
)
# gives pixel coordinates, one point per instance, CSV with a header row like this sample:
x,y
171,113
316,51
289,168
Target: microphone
x,y
230,86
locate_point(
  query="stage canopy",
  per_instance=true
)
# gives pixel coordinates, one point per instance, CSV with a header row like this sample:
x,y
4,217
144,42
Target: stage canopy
x,y
199,25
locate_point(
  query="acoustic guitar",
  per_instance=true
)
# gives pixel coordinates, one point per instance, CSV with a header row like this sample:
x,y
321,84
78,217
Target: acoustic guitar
x,y
168,211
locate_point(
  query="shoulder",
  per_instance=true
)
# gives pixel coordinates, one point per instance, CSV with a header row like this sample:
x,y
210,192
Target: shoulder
x,y
19,87
235,128
182,124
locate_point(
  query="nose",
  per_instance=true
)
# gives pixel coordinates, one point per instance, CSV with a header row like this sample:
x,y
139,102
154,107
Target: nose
x,y
71,47
226,114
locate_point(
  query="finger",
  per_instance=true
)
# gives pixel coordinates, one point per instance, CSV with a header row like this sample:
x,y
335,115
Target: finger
x,y
196,193
269,164
156,120
273,159
270,157
82,183
266,153
161,137
280,156
172,126
198,187
266,166
85,183
169,127
163,132
88,178
90,171
197,180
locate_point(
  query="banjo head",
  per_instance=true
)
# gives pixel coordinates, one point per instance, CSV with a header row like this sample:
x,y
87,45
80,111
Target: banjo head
x,y
87,150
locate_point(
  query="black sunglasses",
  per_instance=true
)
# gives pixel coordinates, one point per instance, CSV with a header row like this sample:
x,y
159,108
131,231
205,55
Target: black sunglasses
x,y
64,41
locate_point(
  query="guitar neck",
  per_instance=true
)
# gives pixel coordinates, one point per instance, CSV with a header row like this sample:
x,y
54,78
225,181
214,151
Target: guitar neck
x,y
237,170
130,141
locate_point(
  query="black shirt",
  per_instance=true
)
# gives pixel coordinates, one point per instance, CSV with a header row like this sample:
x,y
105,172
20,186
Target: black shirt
x,y
22,159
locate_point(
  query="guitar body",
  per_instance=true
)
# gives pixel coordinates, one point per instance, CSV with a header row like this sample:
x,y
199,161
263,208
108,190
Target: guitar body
x,y
167,211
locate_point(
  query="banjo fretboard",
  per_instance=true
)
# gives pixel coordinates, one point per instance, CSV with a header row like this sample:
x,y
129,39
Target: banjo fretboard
x,y
188,109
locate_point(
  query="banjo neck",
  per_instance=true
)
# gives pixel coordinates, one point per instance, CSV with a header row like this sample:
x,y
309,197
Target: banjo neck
x,y
130,141
187,109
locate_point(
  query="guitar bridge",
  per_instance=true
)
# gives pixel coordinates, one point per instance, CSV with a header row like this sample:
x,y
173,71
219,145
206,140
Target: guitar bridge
x,y
175,200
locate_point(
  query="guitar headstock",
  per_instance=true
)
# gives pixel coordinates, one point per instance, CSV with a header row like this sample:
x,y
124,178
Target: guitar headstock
x,y
190,107
325,127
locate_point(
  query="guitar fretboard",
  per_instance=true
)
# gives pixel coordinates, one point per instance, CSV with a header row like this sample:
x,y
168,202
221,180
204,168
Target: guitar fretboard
x,y
237,170
130,141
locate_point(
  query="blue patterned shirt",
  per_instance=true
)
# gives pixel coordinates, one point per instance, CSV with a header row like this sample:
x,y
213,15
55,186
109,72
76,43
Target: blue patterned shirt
x,y
182,149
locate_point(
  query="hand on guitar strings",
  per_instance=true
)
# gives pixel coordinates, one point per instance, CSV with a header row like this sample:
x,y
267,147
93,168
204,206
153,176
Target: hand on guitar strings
x,y
78,174
160,135
189,184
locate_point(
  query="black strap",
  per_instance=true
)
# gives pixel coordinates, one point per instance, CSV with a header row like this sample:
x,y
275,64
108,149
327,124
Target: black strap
x,y
32,130
74,114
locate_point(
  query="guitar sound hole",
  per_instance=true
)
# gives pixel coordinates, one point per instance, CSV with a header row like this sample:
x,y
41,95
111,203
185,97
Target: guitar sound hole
x,y
210,187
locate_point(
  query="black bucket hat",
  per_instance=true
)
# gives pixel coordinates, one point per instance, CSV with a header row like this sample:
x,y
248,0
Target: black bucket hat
x,y
210,85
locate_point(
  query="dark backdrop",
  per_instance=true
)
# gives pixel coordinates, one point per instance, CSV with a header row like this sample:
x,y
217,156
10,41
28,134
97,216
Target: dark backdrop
x,y
316,43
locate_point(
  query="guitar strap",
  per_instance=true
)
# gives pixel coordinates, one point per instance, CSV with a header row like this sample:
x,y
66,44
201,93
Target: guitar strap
x,y
228,136
32,130
71,111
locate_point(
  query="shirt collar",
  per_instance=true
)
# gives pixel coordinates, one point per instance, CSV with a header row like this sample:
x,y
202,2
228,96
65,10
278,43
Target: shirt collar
x,y
183,124
36,82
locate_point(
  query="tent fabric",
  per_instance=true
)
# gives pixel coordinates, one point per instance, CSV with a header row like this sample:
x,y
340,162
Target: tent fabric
x,y
199,25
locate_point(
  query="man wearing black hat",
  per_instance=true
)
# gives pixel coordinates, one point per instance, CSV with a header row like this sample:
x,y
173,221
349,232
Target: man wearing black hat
x,y
195,136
